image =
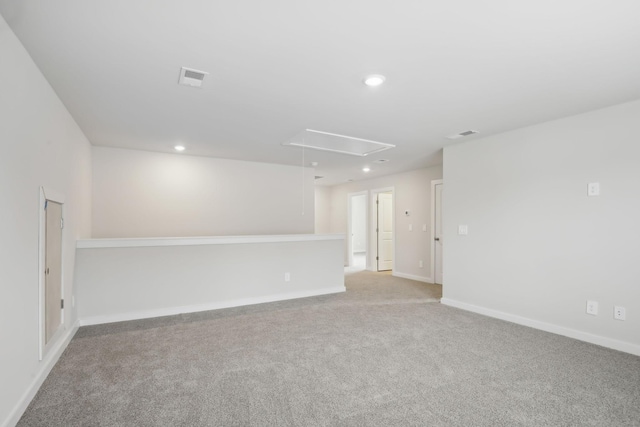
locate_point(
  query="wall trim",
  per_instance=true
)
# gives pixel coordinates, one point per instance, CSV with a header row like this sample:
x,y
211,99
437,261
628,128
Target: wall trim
x,y
412,277
49,361
547,327
141,242
171,311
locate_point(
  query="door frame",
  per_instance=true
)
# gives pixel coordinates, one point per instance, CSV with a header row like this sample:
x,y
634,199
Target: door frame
x,y
350,197
54,196
433,227
372,262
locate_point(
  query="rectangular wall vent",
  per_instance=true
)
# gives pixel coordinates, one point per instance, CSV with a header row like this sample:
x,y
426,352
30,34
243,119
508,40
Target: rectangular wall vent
x,y
191,77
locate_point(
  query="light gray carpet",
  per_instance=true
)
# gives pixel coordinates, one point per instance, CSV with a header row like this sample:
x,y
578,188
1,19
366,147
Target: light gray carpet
x,y
384,353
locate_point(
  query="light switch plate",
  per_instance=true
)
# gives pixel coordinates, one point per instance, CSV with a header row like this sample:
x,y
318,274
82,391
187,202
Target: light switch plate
x,y
463,230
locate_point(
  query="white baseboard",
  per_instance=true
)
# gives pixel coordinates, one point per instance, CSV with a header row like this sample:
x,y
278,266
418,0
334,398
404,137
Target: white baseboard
x,y
547,327
45,367
412,277
170,311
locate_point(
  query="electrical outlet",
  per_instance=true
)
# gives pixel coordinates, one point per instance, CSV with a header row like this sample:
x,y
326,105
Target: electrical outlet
x,y
421,264
287,277
619,313
410,227
592,308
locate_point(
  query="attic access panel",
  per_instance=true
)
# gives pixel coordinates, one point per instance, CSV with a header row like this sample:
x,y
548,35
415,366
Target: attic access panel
x,y
335,143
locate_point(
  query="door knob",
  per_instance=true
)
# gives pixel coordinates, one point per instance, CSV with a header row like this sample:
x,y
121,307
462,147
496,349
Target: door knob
x,y
437,239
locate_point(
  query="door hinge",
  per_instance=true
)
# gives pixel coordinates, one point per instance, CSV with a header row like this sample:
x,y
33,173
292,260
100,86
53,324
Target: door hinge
x,y
377,258
61,303
46,202
61,222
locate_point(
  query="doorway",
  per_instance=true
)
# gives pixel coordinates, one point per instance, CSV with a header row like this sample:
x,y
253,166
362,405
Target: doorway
x,y
51,289
436,230
384,231
357,242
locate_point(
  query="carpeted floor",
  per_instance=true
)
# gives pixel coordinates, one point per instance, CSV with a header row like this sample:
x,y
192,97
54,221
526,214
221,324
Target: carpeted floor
x,y
384,353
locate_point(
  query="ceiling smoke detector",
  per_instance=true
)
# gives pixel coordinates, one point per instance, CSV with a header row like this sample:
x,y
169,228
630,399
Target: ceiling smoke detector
x,y
191,77
463,134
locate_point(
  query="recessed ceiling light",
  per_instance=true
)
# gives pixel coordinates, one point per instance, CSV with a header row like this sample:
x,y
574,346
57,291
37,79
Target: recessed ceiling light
x,y
374,80
179,148
366,169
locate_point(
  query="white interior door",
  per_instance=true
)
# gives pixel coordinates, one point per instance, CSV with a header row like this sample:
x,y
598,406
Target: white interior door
x,y
438,235
53,269
385,231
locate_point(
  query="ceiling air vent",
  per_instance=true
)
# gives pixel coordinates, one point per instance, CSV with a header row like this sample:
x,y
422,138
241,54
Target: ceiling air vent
x,y
191,77
463,134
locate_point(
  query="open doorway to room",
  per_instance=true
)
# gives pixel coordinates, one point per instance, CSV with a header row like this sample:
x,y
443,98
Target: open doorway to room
x,y
51,296
384,229
357,243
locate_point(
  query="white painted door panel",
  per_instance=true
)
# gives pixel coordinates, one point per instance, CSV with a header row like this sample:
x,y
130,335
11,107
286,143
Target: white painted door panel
x,y
438,235
53,269
385,231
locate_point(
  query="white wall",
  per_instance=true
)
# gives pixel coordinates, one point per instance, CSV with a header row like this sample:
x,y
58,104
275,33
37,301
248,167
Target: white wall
x,y
538,247
321,209
127,281
413,193
145,194
41,146
359,223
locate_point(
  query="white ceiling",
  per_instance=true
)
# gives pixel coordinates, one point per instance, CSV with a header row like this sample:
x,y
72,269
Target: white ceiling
x,y
278,67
